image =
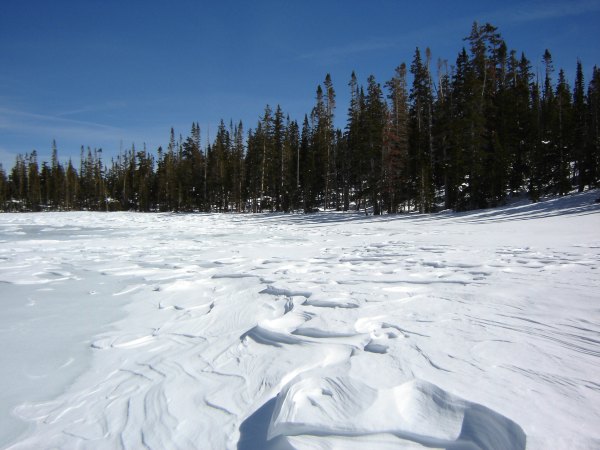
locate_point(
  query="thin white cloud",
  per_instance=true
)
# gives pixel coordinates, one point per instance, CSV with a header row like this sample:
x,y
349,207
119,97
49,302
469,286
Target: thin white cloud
x,y
92,108
536,11
22,131
16,121
525,12
407,41
338,52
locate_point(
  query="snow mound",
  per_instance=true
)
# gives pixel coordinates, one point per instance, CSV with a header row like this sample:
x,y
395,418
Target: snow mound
x,y
416,411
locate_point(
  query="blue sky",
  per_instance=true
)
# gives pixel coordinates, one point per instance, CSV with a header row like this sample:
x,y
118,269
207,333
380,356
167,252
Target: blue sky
x,y
106,74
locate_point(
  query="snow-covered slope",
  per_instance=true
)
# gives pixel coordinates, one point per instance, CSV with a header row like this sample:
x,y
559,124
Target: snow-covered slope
x,y
458,331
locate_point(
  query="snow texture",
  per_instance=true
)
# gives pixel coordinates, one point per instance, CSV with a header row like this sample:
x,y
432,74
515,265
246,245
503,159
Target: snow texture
x,y
478,330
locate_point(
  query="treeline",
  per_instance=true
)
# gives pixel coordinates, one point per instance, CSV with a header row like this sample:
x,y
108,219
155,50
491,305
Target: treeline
x,y
463,137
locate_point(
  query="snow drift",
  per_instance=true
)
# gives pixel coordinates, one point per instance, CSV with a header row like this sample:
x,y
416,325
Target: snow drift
x,y
478,330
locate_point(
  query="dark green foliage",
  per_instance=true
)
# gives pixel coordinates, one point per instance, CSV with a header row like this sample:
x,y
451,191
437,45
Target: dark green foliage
x,y
463,138
395,159
592,145
4,194
421,134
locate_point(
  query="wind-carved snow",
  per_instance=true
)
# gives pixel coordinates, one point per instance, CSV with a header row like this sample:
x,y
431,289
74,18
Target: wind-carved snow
x,y
415,411
460,331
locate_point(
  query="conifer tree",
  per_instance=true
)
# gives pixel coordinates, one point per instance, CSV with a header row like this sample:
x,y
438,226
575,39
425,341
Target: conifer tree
x,y
143,182
34,194
520,136
72,187
563,132
420,134
319,149
593,134
580,128
18,184
330,166
307,165
161,181
536,154
252,168
264,134
442,136
279,163
354,142
485,151
170,176
341,172
57,179
45,181
290,167
396,141
375,126
3,189
238,170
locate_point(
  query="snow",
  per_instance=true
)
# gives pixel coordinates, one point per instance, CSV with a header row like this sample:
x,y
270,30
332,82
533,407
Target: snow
x,y
322,331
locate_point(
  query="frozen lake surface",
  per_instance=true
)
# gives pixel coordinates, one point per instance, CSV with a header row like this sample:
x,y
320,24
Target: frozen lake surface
x,y
325,331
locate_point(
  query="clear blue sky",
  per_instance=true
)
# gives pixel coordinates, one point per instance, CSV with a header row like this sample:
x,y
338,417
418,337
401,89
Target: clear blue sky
x,y
101,72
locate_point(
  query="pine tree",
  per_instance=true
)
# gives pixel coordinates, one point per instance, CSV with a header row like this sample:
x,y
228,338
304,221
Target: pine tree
x,y
330,165
265,134
72,187
190,171
57,180
238,172
161,180
443,137
580,128
18,184
219,181
520,136
279,163
486,176
319,147
421,134
307,165
143,181
100,190
341,171
34,194
461,112
290,166
593,134
3,189
45,181
563,129
536,161
396,141
252,167
170,177
354,141
499,123
375,125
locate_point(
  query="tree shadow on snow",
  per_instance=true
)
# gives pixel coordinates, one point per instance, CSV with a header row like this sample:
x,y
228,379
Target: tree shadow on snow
x,y
579,204
574,204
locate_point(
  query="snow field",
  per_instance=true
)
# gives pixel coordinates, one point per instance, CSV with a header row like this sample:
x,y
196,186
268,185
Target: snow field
x,y
459,331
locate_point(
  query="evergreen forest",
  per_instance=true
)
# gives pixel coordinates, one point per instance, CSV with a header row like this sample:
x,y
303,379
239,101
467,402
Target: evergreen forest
x,y
463,135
